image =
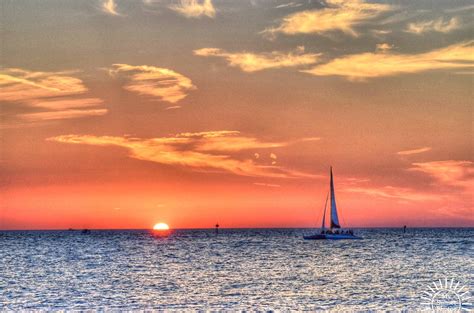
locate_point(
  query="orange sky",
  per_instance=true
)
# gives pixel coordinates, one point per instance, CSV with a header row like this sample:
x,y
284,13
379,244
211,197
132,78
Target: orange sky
x,y
123,114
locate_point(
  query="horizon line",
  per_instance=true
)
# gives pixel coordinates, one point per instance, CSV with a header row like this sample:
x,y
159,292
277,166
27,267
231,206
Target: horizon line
x,y
230,228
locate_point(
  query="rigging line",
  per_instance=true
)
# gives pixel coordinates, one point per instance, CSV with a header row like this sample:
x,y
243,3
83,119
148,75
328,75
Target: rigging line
x,y
325,207
317,219
319,214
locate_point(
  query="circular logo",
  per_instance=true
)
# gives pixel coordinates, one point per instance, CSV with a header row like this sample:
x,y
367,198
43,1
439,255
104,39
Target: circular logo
x,y
447,295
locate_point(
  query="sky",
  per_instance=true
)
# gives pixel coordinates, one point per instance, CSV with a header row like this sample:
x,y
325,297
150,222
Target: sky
x,y
125,113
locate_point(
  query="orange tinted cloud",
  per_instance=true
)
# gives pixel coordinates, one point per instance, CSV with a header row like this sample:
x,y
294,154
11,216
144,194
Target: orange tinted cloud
x,y
339,15
24,85
231,141
392,192
384,47
164,84
55,91
206,151
252,62
109,7
195,8
449,172
446,174
59,115
370,65
62,103
414,151
267,185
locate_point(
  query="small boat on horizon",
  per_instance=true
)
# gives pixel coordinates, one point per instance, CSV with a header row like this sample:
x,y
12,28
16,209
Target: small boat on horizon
x,y
334,232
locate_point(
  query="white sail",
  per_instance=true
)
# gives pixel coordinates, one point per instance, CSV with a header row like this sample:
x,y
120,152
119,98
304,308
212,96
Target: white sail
x,y
334,218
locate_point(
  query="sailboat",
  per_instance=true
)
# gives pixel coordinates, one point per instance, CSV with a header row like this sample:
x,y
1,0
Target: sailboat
x,y
335,231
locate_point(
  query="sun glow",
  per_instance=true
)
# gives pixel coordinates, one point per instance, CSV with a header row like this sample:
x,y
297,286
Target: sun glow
x,y
161,226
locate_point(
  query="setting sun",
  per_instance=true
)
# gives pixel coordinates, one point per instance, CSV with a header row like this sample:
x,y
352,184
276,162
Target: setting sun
x,y
161,226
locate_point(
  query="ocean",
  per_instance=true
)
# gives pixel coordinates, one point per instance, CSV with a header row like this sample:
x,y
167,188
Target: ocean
x,y
238,269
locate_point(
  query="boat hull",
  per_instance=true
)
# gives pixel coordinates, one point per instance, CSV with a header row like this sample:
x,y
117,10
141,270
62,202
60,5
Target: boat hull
x,y
330,237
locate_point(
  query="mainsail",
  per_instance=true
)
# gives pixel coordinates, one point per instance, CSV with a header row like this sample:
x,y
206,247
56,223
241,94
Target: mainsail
x,y
334,218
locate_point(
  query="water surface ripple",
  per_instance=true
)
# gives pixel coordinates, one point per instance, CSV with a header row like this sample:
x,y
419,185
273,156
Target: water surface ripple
x,y
265,269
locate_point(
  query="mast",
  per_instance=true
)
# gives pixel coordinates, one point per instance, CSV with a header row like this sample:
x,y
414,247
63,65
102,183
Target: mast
x,y
334,218
324,214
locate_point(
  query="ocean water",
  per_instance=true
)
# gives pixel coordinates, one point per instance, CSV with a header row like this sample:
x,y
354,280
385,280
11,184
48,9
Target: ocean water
x,y
257,269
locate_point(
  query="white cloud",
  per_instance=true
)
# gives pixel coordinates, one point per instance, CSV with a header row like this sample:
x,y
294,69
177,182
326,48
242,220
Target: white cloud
x,y
288,5
439,25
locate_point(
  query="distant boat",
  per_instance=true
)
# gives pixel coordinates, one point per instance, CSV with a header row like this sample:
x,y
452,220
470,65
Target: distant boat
x,y
334,232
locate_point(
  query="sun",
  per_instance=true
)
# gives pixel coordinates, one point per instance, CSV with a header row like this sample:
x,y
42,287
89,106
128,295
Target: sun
x,y
161,226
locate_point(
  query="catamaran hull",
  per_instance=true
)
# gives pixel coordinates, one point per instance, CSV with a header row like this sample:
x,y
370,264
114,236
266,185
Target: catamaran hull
x,y
330,237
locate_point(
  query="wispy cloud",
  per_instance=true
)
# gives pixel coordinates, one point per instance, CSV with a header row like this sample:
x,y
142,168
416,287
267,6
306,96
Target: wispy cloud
x,y
65,103
267,185
195,8
438,25
109,7
205,151
289,5
392,192
414,151
252,62
342,15
234,142
453,181
469,7
448,172
58,92
59,115
161,83
23,85
384,47
363,66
